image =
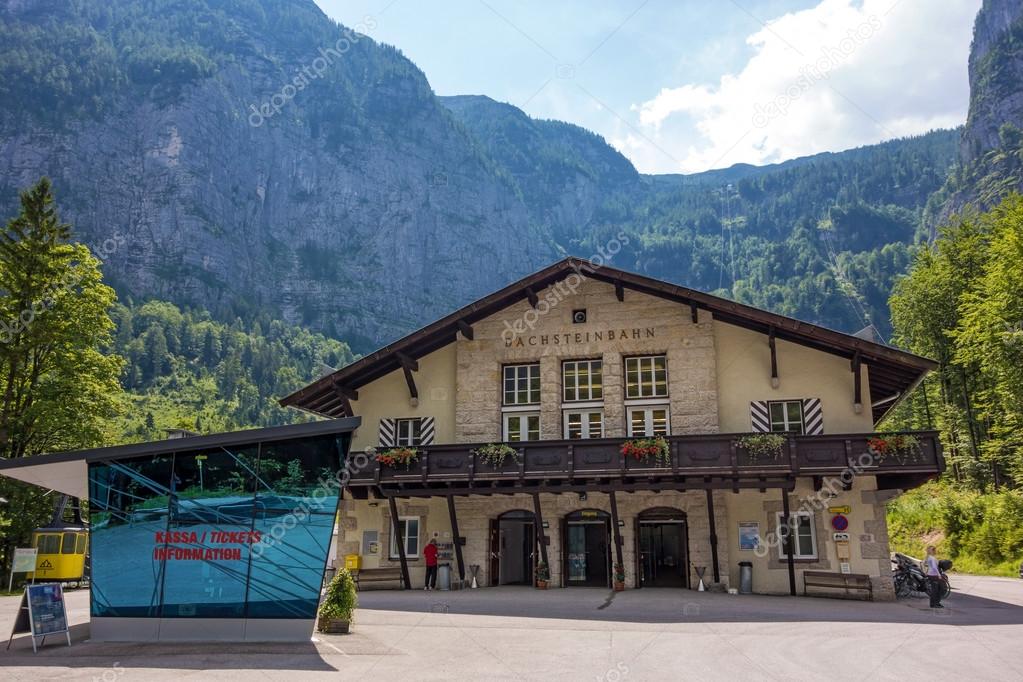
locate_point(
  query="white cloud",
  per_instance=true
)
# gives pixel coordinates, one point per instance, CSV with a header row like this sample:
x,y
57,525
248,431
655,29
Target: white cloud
x,y
841,74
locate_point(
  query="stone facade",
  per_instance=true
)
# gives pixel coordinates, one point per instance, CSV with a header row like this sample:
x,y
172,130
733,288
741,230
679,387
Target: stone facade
x,y
639,325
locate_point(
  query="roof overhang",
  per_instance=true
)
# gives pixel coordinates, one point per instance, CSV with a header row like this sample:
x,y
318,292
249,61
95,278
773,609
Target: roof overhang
x,y
891,371
67,472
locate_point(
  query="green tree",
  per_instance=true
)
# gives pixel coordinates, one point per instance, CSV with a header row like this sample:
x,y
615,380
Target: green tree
x,y
59,389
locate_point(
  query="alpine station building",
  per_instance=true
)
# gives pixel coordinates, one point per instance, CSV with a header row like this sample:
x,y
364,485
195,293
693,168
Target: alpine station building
x,y
568,365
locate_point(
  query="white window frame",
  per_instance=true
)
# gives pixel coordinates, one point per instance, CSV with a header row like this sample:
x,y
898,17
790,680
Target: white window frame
x,y
640,360
530,379
394,537
648,418
589,393
780,520
522,414
584,422
410,440
786,423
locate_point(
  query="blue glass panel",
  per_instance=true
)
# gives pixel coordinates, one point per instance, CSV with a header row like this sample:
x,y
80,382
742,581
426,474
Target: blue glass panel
x,y
210,533
296,503
128,504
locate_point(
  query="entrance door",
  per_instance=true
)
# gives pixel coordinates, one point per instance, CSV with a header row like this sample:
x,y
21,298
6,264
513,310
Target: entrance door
x,y
662,551
587,545
513,548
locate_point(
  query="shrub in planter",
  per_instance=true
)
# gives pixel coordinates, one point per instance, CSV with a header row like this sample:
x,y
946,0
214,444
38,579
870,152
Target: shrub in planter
x,y
339,604
763,446
543,575
495,455
394,457
645,449
619,578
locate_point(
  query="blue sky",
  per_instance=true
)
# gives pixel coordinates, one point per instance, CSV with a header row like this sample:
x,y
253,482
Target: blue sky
x,y
690,85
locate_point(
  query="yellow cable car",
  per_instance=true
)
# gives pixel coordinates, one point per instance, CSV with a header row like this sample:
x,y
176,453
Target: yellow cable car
x,y
60,554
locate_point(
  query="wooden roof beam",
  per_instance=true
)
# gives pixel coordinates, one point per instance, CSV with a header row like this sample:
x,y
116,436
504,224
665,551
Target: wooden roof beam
x,y
465,328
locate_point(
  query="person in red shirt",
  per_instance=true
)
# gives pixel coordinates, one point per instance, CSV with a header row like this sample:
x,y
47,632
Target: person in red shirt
x,y
430,554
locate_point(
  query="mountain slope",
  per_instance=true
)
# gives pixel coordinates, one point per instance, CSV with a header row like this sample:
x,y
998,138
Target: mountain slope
x,y
353,207
253,157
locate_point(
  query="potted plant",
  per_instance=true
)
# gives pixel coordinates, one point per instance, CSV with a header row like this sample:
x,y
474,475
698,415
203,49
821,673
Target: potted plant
x,y
494,455
901,446
763,446
394,457
645,449
543,576
338,606
619,578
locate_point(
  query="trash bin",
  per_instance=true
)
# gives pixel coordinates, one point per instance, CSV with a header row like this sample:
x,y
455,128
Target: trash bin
x,y
444,576
745,577
353,562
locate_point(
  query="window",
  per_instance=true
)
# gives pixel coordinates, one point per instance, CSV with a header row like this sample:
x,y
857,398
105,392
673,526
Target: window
x,y
646,377
522,384
786,415
408,432
409,531
583,380
48,544
67,545
804,538
584,424
519,426
645,422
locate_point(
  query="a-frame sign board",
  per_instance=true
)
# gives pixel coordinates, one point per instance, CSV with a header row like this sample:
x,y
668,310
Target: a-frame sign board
x,y
41,613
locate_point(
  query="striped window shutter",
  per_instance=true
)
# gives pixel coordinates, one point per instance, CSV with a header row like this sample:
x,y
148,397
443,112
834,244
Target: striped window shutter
x,y
759,417
426,431
813,417
387,433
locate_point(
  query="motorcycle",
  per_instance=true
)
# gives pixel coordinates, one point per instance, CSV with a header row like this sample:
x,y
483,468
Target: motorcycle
x,y
909,577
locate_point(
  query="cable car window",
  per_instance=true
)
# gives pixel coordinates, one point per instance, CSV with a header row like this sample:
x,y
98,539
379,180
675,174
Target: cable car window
x,y
80,547
49,544
67,545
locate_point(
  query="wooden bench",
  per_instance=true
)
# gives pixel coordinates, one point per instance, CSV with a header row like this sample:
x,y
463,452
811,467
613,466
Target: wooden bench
x,y
848,582
375,575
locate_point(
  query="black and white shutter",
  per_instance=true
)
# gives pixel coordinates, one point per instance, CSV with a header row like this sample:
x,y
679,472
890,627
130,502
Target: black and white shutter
x,y
759,416
426,431
387,431
813,417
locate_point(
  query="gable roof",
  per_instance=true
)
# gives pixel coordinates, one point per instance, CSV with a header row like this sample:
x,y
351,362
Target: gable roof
x,y
892,373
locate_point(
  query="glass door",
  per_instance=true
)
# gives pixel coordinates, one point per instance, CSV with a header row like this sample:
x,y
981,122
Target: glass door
x,y
587,552
663,558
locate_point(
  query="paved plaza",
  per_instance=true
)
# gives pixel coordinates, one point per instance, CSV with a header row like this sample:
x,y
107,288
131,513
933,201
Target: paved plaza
x,y
519,633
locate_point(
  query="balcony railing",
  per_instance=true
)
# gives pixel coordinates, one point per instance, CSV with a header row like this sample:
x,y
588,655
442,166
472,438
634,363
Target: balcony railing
x,y
717,455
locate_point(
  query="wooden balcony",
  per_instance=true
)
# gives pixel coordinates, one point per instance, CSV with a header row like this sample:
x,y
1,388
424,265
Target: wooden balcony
x,y
696,462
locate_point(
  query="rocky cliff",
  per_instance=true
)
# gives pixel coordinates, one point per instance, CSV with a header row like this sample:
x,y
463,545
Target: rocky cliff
x,y
243,155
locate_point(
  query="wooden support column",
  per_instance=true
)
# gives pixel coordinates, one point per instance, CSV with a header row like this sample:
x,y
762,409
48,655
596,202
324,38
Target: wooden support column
x,y
454,535
787,524
713,536
616,531
857,384
774,359
538,520
400,541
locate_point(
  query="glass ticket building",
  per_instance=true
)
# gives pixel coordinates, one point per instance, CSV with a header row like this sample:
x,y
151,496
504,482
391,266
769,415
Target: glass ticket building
x,y
210,537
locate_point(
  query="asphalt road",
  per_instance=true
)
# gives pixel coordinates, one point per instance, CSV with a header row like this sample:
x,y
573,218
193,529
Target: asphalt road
x,y
585,634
